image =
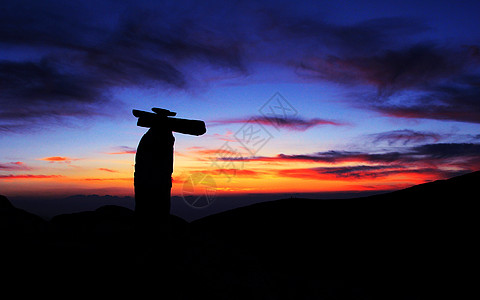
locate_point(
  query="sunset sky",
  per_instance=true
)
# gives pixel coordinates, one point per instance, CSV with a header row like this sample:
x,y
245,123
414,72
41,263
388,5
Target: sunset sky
x,y
298,96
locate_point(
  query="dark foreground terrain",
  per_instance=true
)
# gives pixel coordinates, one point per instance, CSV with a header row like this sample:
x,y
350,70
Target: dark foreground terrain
x,y
417,243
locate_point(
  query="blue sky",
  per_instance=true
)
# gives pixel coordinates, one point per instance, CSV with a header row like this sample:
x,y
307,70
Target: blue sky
x,y
365,77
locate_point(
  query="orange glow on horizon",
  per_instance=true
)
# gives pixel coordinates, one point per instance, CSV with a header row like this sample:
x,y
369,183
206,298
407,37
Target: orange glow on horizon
x,y
110,175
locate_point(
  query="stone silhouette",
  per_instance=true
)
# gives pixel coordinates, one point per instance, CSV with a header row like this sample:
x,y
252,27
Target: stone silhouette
x,y
154,163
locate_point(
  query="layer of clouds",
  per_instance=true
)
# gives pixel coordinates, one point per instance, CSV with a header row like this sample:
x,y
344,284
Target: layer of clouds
x,y
424,152
445,158
63,60
368,172
419,81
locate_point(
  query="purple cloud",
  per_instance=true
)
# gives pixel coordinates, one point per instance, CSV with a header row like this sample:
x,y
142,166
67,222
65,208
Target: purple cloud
x,y
404,137
14,166
290,123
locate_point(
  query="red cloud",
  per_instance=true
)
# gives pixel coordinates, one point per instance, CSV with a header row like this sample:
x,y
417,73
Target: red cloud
x,y
108,170
234,172
228,136
109,179
217,152
353,173
54,159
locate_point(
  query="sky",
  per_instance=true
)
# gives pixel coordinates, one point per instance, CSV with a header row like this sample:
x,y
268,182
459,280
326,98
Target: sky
x,y
297,96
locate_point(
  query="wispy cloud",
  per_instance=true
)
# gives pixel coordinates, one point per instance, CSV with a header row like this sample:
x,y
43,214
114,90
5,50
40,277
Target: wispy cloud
x,y
107,170
453,156
69,58
404,137
232,172
14,166
354,173
110,179
290,123
228,136
201,151
386,66
59,159
123,150
28,176
77,63
419,81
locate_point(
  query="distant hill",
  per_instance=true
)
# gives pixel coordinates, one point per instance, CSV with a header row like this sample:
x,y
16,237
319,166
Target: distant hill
x,y
428,227
47,207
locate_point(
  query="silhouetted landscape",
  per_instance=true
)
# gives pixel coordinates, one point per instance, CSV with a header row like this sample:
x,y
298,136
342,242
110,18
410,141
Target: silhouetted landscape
x,y
181,149
408,244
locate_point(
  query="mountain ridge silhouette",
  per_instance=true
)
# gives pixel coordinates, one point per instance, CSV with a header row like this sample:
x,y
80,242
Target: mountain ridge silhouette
x,y
393,245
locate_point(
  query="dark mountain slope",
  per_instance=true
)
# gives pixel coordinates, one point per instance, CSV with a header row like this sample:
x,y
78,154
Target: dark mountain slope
x,y
428,228
415,243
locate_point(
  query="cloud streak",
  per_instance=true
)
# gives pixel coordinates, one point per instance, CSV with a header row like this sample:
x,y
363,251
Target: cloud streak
x,y
461,157
289,123
14,166
27,176
404,137
59,159
355,173
123,150
107,170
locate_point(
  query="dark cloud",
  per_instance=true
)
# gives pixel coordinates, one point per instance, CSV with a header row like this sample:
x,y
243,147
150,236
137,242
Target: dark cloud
x,y
315,35
457,100
368,172
359,171
290,123
419,81
450,150
440,161
39,92
404,137
332,157
404,76
398,74
63,59
390,70
458,156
